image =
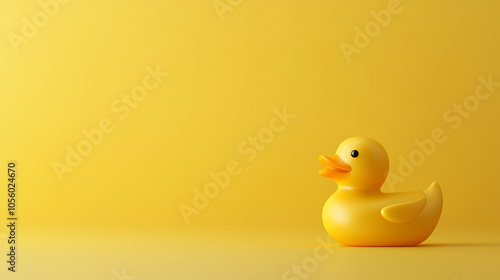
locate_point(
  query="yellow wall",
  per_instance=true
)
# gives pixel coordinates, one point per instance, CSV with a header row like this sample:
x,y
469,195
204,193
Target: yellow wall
x,y
229,76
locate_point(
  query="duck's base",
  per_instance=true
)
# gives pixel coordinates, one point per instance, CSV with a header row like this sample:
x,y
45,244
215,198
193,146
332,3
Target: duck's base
x,y
383,245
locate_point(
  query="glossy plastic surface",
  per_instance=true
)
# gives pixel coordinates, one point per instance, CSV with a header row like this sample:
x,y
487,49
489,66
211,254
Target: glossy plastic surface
x,y
359,214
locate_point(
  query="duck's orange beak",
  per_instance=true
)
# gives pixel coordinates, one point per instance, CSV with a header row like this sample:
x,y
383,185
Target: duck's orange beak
x,y
333,165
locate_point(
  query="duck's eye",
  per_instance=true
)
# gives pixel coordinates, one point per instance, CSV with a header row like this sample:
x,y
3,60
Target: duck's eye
x,y
354,153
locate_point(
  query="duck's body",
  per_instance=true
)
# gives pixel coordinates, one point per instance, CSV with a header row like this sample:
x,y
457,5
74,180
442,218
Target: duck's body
x,y
359,214
355,218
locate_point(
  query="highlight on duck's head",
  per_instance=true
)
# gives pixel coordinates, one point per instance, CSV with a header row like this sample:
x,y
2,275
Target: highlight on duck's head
x,y
359,163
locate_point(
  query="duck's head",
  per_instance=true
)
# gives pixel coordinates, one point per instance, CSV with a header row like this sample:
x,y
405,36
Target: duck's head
x,y
359,163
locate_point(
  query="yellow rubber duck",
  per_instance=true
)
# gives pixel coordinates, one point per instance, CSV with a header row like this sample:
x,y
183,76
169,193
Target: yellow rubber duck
x,y
359,214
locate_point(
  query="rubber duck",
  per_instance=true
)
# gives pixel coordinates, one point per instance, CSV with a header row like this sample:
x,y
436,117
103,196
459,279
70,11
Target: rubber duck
x,y
360,214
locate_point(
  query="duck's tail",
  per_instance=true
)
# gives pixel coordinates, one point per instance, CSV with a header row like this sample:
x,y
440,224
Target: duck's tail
x,y
434,190
434,199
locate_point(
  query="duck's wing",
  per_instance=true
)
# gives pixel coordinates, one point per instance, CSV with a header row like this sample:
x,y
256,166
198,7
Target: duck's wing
x,y
404,212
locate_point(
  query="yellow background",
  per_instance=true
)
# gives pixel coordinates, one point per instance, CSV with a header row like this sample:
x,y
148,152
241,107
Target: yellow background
x,y
225,79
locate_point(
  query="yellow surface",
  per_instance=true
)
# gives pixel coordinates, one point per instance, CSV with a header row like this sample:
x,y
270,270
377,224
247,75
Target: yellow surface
x,y
255,91
263,254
